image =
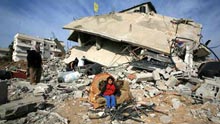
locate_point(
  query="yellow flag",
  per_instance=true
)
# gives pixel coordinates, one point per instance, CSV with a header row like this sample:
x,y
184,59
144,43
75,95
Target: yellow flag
x,y
96,7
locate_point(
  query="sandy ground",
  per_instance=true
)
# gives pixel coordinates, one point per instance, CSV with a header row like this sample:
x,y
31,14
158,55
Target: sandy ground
x,y
76,111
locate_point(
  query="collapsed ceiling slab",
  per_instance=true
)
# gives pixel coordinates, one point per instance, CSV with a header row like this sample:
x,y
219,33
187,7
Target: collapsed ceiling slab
x,y
109,55
152,31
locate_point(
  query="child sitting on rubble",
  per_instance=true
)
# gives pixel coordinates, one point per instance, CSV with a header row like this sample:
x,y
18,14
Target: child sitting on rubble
x,y
109,90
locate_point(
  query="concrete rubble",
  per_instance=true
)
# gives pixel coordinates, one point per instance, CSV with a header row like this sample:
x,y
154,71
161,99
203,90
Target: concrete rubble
x,y
164,83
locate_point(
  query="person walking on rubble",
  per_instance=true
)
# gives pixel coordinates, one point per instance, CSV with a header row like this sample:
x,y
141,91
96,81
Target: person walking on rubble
x,y
109,91
34,62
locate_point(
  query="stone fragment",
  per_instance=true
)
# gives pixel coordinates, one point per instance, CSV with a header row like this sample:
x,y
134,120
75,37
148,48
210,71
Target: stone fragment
x,y
78,94
165,119
161,85
216,120
169,69
121,74
41,89
19,108
156,75
164,74
176,103
172,82
209,89
176,73
55,115
143,77
153,92
180,64
152,115
183,89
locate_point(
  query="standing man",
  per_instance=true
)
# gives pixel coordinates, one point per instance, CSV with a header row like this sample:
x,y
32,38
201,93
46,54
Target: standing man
x,y
34,62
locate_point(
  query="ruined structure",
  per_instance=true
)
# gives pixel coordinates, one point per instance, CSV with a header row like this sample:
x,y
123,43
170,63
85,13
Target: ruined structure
x,y
23,42
130,36
4,52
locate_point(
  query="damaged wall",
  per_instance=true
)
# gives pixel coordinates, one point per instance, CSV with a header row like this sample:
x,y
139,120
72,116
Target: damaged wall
x,y
152,31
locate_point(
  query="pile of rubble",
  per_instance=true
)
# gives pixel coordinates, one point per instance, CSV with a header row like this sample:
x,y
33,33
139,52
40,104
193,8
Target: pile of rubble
x,y
19,98
171,95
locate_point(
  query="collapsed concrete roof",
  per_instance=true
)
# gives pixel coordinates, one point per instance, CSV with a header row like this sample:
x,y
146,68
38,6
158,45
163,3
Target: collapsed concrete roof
x,y
147,30
109,55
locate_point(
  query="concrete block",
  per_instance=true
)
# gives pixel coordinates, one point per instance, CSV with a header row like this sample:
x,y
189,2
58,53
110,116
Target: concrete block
x,y
209,89
176,73
164,74
41,89
179,63
184,90
172,82
3,92
121,74
78,94
161,85
216,120
19,108
144,77
153,92
168,69
156,75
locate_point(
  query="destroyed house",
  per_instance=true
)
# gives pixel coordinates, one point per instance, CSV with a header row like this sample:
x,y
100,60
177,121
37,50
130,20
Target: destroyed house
x,y
117,38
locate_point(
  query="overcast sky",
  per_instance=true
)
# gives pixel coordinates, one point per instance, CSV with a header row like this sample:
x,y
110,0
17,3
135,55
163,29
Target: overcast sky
x,y
42,17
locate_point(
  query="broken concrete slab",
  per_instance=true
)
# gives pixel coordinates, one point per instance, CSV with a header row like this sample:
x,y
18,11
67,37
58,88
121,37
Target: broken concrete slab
x,y
164,74
176,73
41,89
151,91
94,55
56,115
20,108
209,89
184,90
78,94
144,77
169,69
172,81
156,75
180,64
133,31
161,85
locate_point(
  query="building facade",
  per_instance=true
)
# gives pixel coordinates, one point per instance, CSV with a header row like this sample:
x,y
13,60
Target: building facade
x,y
4,52
23,42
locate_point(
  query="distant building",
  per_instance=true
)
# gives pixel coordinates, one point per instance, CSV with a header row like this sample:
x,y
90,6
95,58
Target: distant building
x,y
4,52
144,8
22,43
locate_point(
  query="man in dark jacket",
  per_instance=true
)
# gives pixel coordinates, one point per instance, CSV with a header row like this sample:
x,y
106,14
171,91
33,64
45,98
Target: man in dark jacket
x,y
34,61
